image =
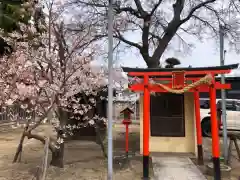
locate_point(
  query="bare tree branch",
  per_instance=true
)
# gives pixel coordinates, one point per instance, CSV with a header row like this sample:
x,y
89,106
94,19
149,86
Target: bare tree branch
x,y
140,8
206,23
132,11
195,9
120,37
87,3
155,7
40,138
173,26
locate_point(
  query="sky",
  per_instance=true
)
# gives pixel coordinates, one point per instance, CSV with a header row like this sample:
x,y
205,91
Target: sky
x,y
203,54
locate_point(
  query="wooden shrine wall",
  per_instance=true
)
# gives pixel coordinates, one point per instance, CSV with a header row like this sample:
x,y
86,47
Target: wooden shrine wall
x,y
186,144
167,115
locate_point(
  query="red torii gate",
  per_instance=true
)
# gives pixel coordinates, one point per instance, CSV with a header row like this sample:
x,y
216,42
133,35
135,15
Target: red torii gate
x,y
177,78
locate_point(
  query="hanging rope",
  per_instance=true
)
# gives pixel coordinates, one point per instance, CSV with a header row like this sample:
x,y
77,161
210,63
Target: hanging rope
x,y
205,80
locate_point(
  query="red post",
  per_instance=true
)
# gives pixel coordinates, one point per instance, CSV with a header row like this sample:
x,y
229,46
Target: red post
x,y
146,128
127,140
198,127
126,122
215,135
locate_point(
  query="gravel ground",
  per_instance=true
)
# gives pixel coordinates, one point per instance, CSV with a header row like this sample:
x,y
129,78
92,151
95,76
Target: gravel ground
x,y
235,163
83,159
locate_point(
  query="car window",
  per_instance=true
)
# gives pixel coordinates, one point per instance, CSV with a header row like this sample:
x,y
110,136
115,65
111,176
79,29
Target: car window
x,y
204,104
219,104
238,106
230,105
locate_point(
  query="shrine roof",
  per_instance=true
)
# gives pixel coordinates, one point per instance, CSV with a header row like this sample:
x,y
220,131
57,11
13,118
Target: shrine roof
x,y
210,68
196,72
127,109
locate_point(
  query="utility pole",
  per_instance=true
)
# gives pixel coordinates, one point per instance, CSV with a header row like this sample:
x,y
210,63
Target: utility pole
x,y
223,96
110,89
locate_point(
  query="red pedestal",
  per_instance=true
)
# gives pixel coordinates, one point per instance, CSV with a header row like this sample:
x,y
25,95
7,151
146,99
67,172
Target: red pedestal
x,y
126,123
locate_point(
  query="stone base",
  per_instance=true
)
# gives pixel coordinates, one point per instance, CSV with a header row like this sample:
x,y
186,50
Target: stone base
x,y
225,170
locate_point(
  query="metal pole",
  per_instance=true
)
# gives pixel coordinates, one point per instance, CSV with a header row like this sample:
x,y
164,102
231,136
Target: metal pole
x,y
110,89
223,96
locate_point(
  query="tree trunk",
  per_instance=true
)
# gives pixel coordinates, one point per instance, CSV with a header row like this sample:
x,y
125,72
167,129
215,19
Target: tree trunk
x,y
19,149
100,141
20,145
58,153
57,157
152,63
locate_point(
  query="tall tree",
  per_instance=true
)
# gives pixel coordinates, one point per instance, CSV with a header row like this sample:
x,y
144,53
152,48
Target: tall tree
x,y
60,80
161,23
52,72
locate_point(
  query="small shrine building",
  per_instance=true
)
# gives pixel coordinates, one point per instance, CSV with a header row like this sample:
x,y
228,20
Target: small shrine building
x,y
170,117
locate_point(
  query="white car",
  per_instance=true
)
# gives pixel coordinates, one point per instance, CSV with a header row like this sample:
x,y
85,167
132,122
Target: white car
x,y
232,115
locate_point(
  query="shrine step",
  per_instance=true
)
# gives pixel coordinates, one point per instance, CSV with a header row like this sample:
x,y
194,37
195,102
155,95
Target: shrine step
x,y
175,168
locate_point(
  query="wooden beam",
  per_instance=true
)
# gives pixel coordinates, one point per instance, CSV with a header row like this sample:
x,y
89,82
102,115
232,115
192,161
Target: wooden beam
x,y
170,79
205,72
156,88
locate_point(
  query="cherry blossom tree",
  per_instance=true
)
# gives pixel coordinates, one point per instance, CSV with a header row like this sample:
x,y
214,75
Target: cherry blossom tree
x,y
53,73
